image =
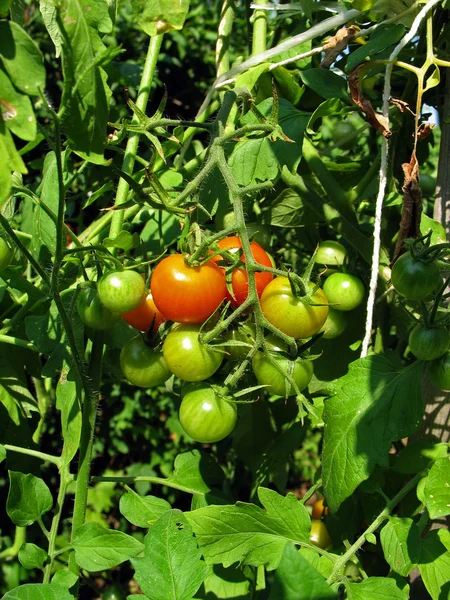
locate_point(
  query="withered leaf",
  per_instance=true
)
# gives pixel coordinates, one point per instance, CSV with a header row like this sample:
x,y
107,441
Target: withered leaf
x,y
377,121
334,46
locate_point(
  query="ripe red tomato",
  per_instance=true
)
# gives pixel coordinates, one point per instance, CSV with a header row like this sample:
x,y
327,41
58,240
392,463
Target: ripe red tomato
x,y
292,315
206,416
239,278
187,294
143,316
187,357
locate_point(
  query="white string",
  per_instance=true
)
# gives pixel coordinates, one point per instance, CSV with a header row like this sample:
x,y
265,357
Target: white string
x,y
383,175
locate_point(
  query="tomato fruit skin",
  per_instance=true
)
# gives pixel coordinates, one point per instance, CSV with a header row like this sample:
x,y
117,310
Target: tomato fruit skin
x,y
6,254
205,416
242,333
342,130
92,312
121,291
428,343
144,315
319,535
439,372
267,374
319,509
427,184
141,365
414,279
187,357
239,278
343,290
291,315
114,592
187,294
335,324
330,253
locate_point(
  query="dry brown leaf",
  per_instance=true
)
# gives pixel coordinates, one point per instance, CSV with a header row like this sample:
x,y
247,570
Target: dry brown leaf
x,y
424,131
401,105
334,46
377,121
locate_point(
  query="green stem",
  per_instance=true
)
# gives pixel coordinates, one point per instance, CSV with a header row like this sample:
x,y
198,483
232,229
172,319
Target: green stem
x,y
44,402
42,455
259,42
133,140
223,38
90,406
65,479
342,561
19,539
8,339
147,479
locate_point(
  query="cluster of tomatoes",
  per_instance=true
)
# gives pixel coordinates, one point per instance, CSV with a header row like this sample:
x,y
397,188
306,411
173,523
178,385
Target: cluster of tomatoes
x,y
417,281
188,296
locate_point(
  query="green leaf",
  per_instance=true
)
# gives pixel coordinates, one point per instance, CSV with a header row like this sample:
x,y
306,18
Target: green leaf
x,y
438,235
437,489
125,241
2,453
374,404
69,403
64,578
400,539
233,583
287,84
10,161
434,566
418,455
376,588
17,10
247,534
28,498
142,511
21,59
13,383
433,80
38,591
87,108
332,106
4,6
197,471
43,244
172,568
49,13
297,579
260,159
248,79
363,5
380,41
158,16
17,110
325,83
287,210
32,557
97,548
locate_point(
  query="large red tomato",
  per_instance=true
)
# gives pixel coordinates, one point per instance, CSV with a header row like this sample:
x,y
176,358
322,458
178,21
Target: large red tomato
x,y
187,294
239,279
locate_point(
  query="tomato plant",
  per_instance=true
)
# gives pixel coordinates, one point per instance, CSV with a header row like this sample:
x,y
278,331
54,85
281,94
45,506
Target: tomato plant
x,y
344,291
429,343
414,279
6,254
145,315
266,373
239,278
206,416
319,535
187,294
293,315
141,365
344,134
330,253
335,324
114,592
121,291
439,371
245,333
187,357
92,312
319,509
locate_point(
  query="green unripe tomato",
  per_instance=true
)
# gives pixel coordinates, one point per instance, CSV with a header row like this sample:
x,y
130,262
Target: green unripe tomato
x,y
121,291
345,291
6,254
206,416
92,312
427,184
267,374
319,535
114,592
413,279
335,324
187,357
242,333
439,372
330,253
429,343
141,365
